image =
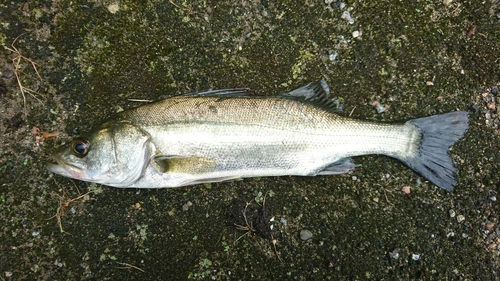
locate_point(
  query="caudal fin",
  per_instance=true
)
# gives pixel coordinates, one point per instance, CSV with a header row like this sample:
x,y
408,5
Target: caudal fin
x,y
439,133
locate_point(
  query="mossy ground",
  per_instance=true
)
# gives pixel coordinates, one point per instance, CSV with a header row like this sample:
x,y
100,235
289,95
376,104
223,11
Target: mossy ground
x,y
94,56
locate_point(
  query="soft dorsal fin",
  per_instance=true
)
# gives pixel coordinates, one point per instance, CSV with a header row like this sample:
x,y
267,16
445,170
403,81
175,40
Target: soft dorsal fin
x,y
316,92
236,92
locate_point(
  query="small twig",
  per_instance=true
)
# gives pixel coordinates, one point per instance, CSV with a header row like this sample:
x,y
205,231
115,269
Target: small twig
x,y
273,241
128,266
63,204
248,227
352,111
16,63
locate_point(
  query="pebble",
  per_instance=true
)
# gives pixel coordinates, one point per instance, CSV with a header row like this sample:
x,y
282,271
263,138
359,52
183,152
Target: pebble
x,y
447,2
305,235
394,254
283,221
406,189
452,213
7,73
335,4
347,16
380,108
333,55
113,8
356,34
460,218
490,225
186,206
415,257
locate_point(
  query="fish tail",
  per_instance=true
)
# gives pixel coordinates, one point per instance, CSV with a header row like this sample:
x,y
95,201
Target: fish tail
x,y
438,134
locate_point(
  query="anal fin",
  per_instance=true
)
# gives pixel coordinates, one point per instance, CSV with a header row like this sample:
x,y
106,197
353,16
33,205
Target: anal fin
x,y
338,167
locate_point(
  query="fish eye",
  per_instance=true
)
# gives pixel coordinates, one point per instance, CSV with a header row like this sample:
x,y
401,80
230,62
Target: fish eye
x,y
80,147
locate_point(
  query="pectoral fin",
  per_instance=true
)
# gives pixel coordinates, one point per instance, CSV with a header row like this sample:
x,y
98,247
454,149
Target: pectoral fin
x,y
199,169
184,165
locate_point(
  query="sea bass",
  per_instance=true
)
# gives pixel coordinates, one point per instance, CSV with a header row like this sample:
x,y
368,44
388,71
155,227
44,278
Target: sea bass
x,y
226,135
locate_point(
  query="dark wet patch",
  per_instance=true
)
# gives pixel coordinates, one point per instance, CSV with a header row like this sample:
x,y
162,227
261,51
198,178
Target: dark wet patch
x,y
3,89
250,217
14,122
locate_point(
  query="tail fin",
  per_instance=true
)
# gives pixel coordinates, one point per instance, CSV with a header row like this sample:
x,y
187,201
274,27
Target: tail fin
x,y
439,132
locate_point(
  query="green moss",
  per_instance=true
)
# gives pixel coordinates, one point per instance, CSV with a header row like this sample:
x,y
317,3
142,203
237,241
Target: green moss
x,y
93,61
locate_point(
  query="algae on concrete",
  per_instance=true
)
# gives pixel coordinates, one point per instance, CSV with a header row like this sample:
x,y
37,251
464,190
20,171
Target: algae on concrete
x,y
416,58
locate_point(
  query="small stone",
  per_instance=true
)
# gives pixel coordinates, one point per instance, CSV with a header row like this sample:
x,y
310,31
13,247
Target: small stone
x,y
354,178
333,55
113,8
356,34
447,2
7,73
394,254
491,106
490,225
346,16
429,83
494,91
406,189
8,274
493,198
460,218
415,257
452,213
380,108
305,235
336,4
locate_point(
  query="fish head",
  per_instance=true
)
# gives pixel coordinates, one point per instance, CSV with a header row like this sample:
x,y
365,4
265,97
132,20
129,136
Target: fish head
x,y
116,154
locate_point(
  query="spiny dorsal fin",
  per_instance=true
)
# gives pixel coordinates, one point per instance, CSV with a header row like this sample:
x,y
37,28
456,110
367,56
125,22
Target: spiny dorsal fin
x,y
316,92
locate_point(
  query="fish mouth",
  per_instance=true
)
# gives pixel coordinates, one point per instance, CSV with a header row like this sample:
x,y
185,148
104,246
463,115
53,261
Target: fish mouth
x,y
58,166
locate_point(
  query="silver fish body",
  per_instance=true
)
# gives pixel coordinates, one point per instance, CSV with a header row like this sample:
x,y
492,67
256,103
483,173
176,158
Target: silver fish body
x,y
227,135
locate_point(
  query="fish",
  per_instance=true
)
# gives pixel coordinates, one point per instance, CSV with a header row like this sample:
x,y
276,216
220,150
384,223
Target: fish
x,y
229,135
